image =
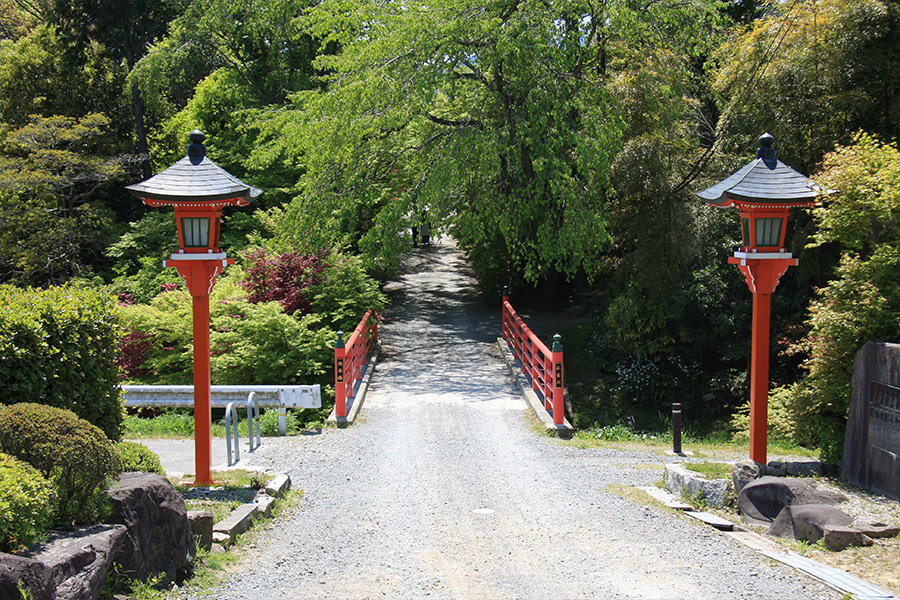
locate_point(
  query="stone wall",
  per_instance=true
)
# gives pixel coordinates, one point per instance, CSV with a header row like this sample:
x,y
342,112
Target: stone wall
x,y
872,439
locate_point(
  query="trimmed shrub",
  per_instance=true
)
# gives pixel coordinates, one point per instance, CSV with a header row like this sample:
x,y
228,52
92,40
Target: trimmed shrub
x,y
58,347
27,503
73,454
137,457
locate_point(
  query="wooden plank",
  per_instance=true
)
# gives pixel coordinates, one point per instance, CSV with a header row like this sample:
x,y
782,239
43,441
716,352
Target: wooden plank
x,y
836,578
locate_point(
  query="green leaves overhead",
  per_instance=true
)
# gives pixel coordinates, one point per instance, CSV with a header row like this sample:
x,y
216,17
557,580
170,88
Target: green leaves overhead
x,y
492,116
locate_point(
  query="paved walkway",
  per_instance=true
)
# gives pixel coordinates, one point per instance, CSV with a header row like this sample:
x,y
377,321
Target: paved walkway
x,y
444,488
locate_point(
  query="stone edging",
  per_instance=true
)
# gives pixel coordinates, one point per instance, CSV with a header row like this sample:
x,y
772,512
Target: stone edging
x,y
225,532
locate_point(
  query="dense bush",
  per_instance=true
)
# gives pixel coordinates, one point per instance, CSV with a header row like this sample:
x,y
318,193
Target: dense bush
x,y
137,457
27,503
73,454
58,347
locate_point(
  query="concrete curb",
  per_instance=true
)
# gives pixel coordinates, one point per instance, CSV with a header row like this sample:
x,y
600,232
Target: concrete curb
x,y
357,402
530,396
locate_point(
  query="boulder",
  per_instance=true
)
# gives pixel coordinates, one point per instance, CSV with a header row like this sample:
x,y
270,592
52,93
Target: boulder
x,y
762,500
202,527
159,540
879,530
32,576
79,560
808,521
744,472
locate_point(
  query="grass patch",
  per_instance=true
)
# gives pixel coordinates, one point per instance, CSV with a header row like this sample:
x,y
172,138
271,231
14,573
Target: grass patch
x,y
710,470
178,423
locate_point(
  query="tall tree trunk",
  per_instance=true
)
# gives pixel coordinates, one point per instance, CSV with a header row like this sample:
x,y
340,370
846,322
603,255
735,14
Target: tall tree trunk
x,y
138,107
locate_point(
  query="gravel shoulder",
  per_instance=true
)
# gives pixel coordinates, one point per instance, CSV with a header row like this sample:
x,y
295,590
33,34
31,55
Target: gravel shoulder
x,y
445,489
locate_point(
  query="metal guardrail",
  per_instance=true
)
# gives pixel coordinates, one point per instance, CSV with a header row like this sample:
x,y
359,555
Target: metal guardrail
x,y
252,403
266,396
289,396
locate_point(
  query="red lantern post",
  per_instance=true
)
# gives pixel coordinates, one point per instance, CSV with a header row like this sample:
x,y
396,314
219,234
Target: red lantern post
x,y
198,189
764,191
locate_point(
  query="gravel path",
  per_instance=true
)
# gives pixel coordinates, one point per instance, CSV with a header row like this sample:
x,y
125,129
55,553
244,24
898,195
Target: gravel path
x,y
444,489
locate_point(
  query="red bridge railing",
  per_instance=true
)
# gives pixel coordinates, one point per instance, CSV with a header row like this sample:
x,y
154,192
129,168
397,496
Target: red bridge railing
x,y
544,366
350,358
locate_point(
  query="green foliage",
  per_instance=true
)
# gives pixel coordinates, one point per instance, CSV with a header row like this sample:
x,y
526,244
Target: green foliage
x,y
862,302
137,457
782,417
27,504
346,293
70,452
52,173
58,347
811,73
250,343
500,120
268,422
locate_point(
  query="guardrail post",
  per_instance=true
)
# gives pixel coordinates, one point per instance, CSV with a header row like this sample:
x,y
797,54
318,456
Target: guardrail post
x,y
340,387
558,385
504,328
252,403
231,417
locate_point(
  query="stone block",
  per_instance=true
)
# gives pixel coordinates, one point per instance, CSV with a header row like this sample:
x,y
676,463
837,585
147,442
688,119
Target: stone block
x,y
237,522
201,527
220,539
31,575
838,538
160,541
809,468
680,480
879,530
279,486
866,462
264,505
776,468
79,560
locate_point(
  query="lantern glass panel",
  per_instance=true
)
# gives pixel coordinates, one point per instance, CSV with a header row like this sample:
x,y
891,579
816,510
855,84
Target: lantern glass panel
x,y
195,231
768,232
745,231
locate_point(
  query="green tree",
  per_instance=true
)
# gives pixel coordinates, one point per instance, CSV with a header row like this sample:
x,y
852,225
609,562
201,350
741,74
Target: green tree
x,y
812,74
862,302
52,172
497,119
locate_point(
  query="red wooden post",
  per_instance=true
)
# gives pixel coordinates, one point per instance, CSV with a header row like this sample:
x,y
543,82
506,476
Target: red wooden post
x,y
558,386
202,393
759,378
340,386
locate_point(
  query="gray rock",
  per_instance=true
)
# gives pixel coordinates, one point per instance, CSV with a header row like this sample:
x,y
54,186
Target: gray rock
x,y
808,521
776,468
810,468
202,527
838,538
31,575
744,472
762,500
79,560
879,530
160,541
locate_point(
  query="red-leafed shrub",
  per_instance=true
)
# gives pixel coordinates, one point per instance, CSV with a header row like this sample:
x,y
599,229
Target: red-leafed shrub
x,y
284,278
133,350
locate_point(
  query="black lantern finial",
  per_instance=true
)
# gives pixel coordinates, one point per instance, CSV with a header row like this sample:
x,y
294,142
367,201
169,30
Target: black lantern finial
x,y
196,150
766,149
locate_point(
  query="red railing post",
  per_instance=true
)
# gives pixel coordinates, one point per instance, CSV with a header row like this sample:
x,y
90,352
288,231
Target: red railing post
x,y
340,386
558,389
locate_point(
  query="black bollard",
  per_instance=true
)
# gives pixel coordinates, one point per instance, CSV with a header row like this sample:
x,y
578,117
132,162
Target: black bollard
x,y
676,428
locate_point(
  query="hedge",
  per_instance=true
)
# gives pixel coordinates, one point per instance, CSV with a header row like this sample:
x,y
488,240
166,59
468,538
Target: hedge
x,y
57,347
